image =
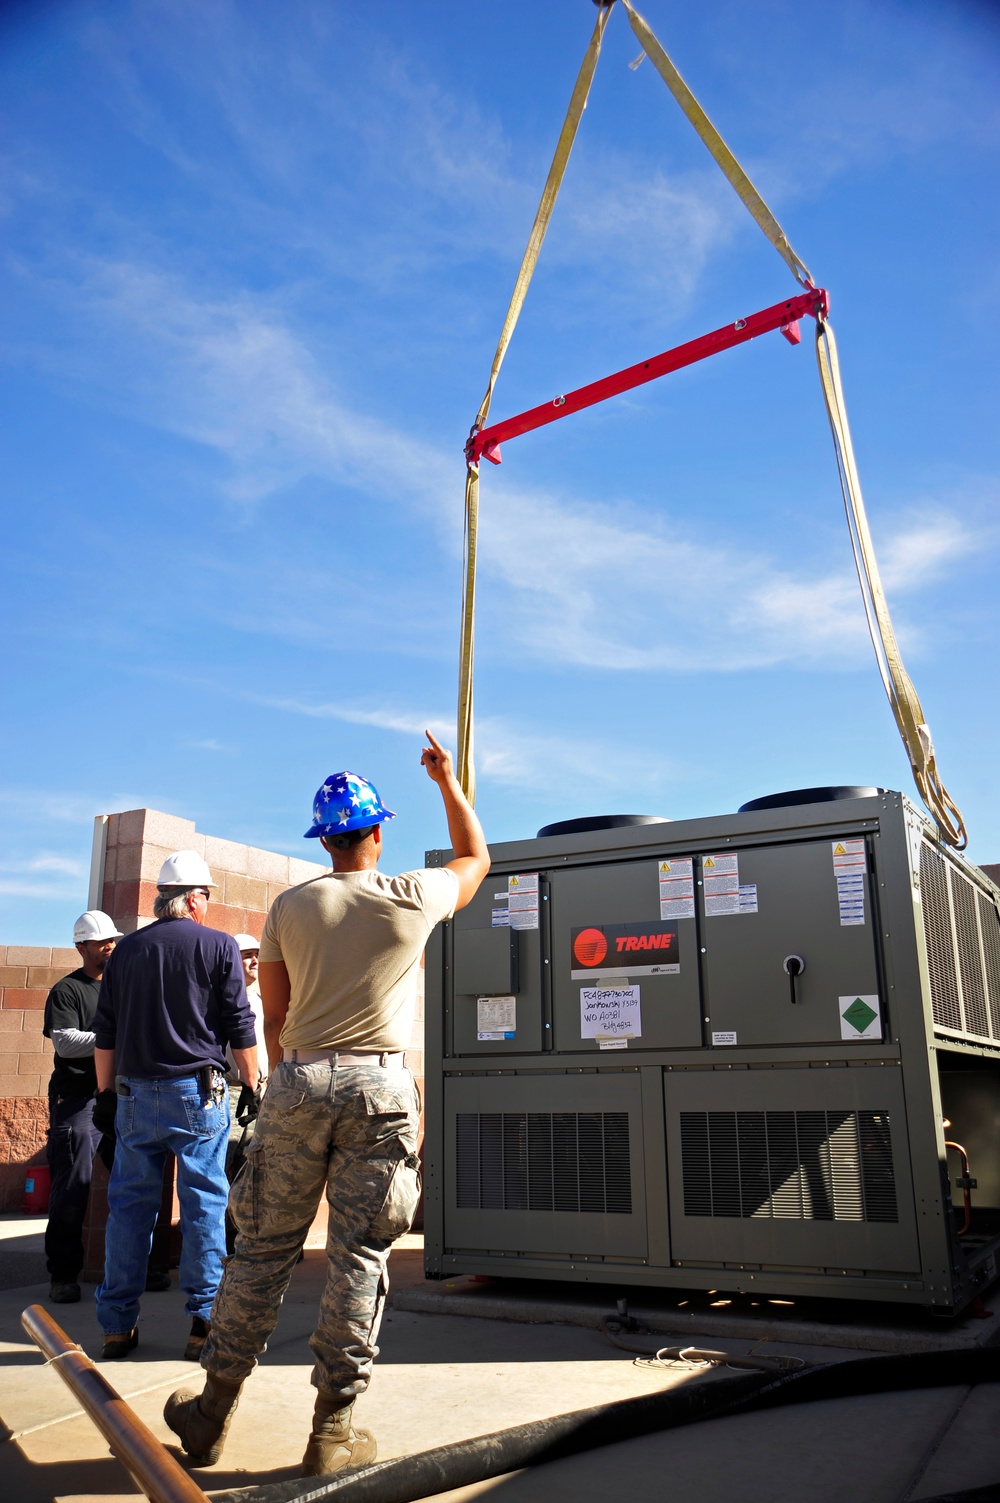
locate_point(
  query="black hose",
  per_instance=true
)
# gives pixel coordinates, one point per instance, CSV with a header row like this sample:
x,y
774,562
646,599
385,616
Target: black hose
x,y
430,1472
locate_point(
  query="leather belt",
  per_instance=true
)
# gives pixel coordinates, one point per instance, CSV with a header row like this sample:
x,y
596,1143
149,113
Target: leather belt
x,y
340,1057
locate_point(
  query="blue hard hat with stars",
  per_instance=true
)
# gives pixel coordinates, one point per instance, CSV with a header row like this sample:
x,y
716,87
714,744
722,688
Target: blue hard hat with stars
x,y
346,802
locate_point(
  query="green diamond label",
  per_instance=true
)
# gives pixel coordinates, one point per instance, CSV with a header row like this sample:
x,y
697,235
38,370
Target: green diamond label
x,y
860,1018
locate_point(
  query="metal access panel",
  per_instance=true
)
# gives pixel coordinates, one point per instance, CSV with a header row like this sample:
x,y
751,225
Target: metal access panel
x,y
799,1166
491,962
626,1081
611,905
545,1165
796,910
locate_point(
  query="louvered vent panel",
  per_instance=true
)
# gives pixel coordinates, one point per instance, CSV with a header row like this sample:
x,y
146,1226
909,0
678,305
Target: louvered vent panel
x,y
989,924
937,932
970,960
544,1161
796,1166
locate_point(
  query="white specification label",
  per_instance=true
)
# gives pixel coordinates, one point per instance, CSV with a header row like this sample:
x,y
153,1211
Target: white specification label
x,y
677,888
723,1038
610,1012
748,897
496,1019
501,918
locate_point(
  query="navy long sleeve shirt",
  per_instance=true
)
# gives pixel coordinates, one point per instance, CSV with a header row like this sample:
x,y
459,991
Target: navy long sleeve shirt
x,y
172,997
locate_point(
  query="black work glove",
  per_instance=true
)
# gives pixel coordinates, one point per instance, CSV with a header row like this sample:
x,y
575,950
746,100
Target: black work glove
x,y
248,1106
105,1108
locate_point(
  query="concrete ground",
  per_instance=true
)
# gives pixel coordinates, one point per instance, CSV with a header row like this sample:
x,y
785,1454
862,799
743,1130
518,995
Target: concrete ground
x,y
443,1377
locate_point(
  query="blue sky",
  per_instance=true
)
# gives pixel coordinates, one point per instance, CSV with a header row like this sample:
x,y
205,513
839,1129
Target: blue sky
x,y
256,258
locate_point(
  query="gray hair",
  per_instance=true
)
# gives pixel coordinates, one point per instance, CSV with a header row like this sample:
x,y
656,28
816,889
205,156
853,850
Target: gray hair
x,y
172,902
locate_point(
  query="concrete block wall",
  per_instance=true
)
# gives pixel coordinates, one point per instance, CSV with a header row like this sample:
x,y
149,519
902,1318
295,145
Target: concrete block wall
x,y
136,843
248,880
26,974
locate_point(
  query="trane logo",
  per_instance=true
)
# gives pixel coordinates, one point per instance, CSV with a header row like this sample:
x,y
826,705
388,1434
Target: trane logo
x,y
612,946
643,942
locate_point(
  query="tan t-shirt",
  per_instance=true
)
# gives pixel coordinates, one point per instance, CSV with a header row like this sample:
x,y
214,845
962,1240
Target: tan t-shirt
x,y
351,943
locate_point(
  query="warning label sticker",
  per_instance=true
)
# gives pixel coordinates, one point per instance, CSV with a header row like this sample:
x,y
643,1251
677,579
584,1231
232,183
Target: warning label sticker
x,y
624,950
495,1019
723,1037
850,867
724,893
522,900
677,888
860,1017
610,1012
501,918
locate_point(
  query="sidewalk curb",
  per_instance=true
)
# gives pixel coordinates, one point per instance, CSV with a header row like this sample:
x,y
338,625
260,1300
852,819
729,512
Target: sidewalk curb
x,y
972,1334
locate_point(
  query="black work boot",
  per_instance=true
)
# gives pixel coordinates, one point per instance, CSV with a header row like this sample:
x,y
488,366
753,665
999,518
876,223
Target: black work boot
x,y
64,1292
333,1445
201,1420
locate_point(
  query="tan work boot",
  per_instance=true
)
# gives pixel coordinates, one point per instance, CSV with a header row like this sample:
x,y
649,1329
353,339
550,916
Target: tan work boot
x,y
202,1420
334,1446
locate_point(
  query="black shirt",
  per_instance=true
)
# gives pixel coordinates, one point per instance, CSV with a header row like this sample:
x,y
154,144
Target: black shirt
x,y
72,1003
172,998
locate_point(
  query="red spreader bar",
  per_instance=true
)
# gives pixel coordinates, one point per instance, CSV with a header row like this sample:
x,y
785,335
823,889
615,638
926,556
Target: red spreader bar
x,y
484,443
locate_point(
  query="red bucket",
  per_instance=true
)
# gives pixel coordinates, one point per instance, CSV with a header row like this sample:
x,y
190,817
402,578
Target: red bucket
x,y
37,1184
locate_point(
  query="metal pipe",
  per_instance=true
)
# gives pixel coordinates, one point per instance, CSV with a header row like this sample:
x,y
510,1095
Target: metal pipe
x,y
966,1184
148,1463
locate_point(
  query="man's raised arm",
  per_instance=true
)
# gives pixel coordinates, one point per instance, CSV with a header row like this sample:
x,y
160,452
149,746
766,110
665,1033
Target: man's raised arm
x,y
471,861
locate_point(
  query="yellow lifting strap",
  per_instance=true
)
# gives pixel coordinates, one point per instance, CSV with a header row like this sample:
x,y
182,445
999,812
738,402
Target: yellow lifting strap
x,y
898,685
716,145
578,100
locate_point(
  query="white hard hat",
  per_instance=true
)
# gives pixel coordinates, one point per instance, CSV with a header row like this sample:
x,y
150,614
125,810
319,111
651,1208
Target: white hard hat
x,y
94,925
185,869
246,942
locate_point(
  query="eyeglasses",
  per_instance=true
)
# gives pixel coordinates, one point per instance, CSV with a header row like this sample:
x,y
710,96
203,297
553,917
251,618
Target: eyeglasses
x,y
205,893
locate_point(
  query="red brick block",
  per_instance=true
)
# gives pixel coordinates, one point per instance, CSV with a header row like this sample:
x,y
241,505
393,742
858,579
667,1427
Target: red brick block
x,y
68,956
15,996
12,1021
13,975
229,920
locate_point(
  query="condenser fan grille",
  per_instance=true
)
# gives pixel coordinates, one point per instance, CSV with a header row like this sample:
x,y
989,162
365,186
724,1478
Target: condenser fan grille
x,y
544,1161
802,1166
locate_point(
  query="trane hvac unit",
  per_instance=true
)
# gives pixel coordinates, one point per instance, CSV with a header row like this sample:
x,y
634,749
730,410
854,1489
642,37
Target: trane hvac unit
x,y
759,1051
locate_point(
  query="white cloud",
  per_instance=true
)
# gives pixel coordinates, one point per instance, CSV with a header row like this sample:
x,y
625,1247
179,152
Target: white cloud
x,y
505,753
609,585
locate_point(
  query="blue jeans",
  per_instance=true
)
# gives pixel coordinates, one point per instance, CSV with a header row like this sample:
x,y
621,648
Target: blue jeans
x,y
155,1116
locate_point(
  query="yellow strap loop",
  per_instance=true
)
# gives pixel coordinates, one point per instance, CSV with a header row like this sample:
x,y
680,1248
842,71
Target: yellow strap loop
x,y
899,687
717,146
578,101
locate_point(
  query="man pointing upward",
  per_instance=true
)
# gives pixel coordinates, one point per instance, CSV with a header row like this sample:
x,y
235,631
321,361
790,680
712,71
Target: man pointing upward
x,y
339,965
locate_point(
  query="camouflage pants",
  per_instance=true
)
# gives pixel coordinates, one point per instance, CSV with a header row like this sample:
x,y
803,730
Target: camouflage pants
x,y
353,1133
